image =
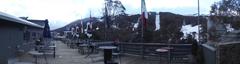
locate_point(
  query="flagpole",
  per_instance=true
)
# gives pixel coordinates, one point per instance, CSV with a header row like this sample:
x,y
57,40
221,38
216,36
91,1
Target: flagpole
x,y
198,22
90,25
142,18
106,20
142,34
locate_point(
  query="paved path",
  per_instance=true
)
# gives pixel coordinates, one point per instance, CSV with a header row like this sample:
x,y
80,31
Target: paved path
x,y
65,55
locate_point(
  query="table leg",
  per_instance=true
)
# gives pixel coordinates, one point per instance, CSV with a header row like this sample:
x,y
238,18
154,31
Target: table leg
x,y
159,59
54,52
36,58
107,55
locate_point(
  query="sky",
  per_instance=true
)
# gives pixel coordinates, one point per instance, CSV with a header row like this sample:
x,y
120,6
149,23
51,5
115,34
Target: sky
x,y
63,12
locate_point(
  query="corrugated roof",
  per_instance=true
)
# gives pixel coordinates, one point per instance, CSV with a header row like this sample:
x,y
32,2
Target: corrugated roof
x,y
39,22
18,20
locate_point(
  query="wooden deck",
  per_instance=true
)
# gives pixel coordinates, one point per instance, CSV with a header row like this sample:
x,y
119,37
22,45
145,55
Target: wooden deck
x,y
66,55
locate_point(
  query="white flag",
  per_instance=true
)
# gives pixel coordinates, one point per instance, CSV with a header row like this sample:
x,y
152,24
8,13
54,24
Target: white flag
x,y
209,23
144,15
82,31
157,22
144,9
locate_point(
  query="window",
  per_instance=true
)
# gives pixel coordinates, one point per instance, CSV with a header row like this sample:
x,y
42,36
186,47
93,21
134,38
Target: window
x,y
26,35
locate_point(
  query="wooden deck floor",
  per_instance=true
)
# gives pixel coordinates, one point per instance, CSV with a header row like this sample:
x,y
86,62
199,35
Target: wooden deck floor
x,y
66,55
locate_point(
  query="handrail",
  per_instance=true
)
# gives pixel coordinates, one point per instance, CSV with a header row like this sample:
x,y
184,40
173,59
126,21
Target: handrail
x,y
152,44
144,49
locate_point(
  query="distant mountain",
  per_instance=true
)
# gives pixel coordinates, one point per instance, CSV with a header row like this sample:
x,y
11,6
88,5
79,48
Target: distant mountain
x,y
121,27
77,23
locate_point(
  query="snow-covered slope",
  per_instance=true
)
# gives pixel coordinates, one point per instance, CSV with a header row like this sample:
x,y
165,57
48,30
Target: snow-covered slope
x,y
188,29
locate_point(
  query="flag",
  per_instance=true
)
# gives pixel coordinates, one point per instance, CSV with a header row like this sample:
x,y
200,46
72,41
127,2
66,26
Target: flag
x,y
81,27
144,14
90,25
107,17
157,22
209,23
184,22
89,28
46,30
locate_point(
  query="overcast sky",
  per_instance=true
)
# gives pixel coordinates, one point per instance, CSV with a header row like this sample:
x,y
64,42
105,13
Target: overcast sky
x,y
62,12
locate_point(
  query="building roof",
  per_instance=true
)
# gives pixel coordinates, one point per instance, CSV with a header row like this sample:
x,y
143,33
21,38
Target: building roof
x,y
18,20
39,22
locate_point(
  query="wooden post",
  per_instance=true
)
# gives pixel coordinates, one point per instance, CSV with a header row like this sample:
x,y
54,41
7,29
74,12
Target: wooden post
x,y
143,51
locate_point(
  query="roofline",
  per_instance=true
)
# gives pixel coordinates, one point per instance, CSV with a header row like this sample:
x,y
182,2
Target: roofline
x,y
18,20
37,19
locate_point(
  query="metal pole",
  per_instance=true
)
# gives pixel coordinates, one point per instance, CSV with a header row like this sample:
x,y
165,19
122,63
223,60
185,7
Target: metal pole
x,y
198,22
141,19
142,32
106,20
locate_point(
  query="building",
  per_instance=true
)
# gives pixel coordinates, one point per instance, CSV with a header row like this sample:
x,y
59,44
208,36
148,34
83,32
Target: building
x,y
35,32
15,36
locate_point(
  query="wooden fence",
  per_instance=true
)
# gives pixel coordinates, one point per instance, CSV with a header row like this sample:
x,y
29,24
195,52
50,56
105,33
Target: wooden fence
x,y
179,54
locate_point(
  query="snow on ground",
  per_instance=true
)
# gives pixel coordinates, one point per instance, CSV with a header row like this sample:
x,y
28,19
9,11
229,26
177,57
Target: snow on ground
x,y
99,19
136,25
188,29
115,26
229,28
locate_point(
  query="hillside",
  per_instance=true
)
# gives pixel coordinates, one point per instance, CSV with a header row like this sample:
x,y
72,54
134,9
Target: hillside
x,y
76,23
122,27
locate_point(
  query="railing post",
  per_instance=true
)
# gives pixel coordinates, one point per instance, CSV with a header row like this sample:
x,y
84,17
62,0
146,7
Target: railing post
x,y
143,51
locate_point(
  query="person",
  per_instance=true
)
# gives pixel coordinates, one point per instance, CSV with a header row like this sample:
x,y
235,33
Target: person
x,y
190,39
38,43
116,43
90,48
195,49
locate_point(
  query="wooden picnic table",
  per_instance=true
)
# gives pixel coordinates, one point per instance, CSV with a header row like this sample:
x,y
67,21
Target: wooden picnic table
x,y
81,48
35,54
54,50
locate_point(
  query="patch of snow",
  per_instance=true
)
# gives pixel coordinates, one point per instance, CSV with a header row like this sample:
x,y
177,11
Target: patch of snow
x,y
131,14
77,27
189,29
149,13
97,28
229,28
101,20
115,26
136,25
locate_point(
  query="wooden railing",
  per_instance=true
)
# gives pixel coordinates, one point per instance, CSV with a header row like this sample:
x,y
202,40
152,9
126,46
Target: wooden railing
x,y
178,54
